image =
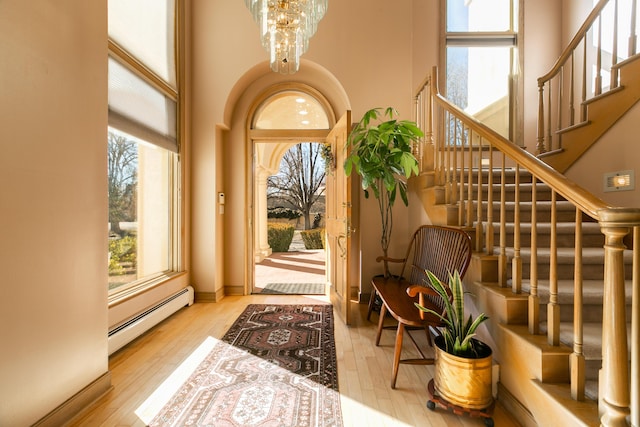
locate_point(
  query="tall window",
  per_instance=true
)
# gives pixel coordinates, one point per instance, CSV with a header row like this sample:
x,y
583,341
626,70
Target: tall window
x,y
482,60
143,162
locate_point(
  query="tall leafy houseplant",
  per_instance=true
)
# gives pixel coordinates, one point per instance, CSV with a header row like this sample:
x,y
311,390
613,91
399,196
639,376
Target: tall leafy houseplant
x,y
380,152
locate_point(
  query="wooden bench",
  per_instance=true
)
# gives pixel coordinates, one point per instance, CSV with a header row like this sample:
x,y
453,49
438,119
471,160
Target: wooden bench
x,y
441,250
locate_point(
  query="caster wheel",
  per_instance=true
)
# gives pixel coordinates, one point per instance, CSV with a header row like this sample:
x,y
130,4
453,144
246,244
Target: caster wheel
x,y
488,422
431,405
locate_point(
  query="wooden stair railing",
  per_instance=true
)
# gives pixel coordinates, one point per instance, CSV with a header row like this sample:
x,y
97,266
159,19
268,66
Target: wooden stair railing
x,y
453,142
577,75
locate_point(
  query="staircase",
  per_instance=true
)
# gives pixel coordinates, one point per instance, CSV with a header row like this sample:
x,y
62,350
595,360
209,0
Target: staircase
x,y
547,365
552,267
556,268
535,375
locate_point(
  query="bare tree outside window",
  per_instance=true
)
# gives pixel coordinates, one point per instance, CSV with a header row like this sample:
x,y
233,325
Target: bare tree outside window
x,y
123,180
301,180
457,92
122,166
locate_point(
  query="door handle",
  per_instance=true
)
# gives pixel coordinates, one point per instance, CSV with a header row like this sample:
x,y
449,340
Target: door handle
x,y
341,240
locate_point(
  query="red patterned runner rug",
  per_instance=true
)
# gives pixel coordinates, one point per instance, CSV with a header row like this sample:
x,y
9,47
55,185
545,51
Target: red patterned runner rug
x,y
280,370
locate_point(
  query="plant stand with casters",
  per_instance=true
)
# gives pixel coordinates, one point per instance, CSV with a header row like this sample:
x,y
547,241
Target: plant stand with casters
x,y
485,413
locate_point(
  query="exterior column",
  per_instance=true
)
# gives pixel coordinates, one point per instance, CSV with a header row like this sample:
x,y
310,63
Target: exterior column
x,y
261,242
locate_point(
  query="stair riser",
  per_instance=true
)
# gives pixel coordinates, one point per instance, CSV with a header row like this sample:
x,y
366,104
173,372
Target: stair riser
x,y
544,240
543,215
525,216
525,177
592,371
566,271
590,312
525,196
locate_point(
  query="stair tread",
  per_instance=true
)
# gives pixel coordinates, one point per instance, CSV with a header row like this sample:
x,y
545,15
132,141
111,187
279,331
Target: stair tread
x,y
538,341
585,412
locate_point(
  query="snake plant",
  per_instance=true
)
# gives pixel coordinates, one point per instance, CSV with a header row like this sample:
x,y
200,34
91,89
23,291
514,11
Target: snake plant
x,y
459,331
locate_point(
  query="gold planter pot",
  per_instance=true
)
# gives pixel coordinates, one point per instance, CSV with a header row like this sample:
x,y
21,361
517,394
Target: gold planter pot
x,y
462,381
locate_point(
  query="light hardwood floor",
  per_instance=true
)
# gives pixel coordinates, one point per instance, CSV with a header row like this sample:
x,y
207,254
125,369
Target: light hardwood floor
x,y
364,370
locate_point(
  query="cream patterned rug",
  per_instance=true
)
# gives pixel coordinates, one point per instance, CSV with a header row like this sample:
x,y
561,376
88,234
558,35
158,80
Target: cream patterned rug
x,y
276,366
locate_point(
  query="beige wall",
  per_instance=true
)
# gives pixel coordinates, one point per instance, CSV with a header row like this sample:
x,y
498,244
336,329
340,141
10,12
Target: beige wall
x,y
574,12
542,45
617,150
53,186
425,43
362,49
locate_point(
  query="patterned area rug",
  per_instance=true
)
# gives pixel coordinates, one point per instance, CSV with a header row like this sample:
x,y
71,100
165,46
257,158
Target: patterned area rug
x,y
280,370
294,288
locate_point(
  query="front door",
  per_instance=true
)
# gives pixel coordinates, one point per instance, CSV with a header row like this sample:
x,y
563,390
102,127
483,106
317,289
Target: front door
x,y
343,240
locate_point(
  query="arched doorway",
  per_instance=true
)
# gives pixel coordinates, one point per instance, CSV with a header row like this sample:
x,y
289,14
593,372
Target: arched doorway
x,y
231,273
284,117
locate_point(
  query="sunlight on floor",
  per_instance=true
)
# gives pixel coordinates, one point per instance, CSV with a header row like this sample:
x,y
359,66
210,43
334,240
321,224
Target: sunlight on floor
x,y
222,371
170,386
360,414
291,267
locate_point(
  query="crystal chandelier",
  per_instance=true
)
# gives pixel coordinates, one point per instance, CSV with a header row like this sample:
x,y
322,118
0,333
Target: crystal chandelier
x,y
285,28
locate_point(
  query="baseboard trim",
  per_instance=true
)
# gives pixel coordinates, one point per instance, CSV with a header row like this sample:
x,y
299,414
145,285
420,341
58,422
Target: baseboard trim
x,y
209,296
363,298
515,408
77,403
234,290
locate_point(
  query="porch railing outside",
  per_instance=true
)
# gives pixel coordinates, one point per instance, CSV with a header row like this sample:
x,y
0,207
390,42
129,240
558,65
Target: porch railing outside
x,y
452,138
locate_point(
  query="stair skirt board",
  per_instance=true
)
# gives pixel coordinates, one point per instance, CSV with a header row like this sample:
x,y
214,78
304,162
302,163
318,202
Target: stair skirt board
x,y
139,324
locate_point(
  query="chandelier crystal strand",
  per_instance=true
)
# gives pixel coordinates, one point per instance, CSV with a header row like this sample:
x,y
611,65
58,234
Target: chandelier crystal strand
x,y
285,29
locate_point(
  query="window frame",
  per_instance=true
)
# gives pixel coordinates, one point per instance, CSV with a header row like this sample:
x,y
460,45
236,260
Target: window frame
x,y
176,179
509,37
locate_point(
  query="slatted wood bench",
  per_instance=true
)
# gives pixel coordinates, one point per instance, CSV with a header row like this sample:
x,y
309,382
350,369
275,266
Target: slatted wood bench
x,y
441,250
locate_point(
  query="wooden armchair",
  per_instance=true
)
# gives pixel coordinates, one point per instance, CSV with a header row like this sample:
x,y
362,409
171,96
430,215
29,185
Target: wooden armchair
x,y
441,250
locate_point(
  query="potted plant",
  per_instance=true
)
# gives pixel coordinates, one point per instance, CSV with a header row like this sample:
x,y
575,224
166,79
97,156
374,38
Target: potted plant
x,y
463,364
380,152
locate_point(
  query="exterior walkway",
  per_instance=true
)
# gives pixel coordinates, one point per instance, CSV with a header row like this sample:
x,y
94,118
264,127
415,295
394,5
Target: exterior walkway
x,y
296,266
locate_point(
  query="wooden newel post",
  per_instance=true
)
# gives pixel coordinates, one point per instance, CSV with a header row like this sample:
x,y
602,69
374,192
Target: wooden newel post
x,y
614,376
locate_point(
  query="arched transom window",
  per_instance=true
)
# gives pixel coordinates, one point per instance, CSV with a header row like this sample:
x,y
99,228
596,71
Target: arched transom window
x,y
291,110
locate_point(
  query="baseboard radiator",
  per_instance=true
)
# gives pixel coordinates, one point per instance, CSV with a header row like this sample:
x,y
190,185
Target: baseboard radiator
x,y
133,328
